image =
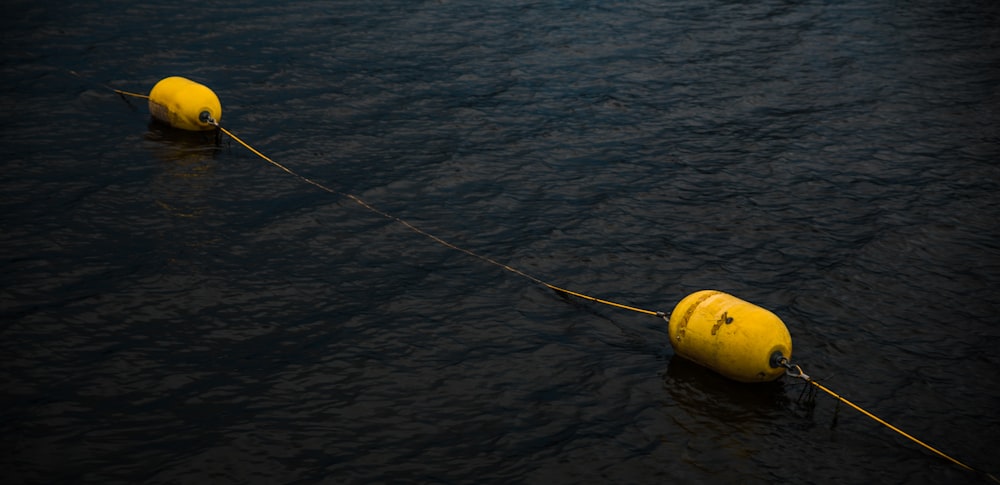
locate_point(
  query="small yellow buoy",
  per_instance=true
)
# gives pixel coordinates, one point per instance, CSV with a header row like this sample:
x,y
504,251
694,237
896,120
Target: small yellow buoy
x,y
735,338
184,104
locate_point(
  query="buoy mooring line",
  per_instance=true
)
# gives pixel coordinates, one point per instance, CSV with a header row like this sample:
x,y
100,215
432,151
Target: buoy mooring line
x,y
730,336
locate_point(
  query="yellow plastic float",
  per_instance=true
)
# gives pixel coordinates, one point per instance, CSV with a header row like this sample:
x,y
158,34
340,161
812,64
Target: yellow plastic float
x,y
185,104
735,338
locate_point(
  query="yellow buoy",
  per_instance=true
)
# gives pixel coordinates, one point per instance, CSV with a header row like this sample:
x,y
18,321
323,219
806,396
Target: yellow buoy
x,y
184,104
735,338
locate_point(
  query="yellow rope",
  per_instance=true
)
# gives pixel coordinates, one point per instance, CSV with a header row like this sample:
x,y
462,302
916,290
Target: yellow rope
x,y
428,235
598,300
901,432
135,95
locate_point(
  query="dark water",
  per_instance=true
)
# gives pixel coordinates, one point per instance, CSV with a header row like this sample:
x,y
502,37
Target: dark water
x,y
176,313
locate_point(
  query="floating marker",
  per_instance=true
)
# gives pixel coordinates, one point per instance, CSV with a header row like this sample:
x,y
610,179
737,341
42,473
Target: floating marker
x,y
184,104
735,338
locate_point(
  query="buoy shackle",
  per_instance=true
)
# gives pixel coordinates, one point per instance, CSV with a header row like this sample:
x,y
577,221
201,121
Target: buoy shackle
x,y
778,360
791,370
206,117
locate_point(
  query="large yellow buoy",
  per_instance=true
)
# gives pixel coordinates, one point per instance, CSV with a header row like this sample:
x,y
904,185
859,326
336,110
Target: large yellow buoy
x,y
184,104
735,338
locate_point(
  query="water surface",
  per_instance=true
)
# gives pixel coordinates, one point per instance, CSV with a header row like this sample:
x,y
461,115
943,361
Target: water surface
x,y
178,312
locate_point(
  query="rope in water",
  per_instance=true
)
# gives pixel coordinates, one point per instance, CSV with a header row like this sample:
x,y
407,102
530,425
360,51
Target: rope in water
x,y
410,226
796,371
430,236
134,95
791,370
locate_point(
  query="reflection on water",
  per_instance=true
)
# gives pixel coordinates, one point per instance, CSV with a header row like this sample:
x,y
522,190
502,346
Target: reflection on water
x,y
186,164
703,392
